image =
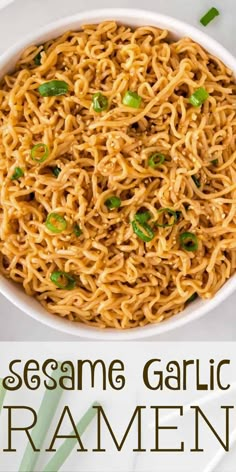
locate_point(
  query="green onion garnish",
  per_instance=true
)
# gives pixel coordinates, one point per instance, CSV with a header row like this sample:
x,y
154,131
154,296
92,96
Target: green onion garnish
x,y
199,97
53,88
100,102
156,160
209,16
132,99
18,172
142,217
113,202
140,226
63,280
37,59
143,231
55,223
169,212
196,181
56,171
39,153
215,162
192,298
77,230
189,241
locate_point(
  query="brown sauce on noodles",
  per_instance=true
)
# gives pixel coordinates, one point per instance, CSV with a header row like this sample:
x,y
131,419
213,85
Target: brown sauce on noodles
x,y
119,280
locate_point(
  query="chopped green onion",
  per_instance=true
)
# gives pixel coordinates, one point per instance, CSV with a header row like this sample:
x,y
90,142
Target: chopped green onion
x,y
18,172
215,162
193,297
100,102
209,16
141,227
142,217
55,223
77,230
132,99
196,181
156,160
170,213
39,153
199,97
189,241
37,59
113,202
144,231
56,171
63,280
53,88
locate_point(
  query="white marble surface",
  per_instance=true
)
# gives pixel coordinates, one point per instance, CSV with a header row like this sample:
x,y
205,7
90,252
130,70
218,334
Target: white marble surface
x,y
19,17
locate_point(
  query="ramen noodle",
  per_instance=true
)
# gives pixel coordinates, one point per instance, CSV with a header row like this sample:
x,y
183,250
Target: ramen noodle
x,y
118,174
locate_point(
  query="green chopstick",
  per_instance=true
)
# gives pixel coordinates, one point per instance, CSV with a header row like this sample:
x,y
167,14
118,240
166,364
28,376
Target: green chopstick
x,y
46,413
68,445
2,395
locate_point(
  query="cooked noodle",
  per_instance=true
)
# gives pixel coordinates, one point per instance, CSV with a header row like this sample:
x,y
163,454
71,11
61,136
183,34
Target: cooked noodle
x,y
121,281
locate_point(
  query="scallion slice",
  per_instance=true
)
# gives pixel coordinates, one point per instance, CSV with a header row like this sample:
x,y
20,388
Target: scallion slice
x,y
215,162
100,102
55,223
77,230
37,59
168,212
39,153
18,172
188,241
142,217
193,297
143,231
196,181
56,171
156,160
113,202
199,97
209,16
63,280
53,88
132,99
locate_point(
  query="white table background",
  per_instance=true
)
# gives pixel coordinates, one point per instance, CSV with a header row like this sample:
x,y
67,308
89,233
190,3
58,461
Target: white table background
x,y
20,17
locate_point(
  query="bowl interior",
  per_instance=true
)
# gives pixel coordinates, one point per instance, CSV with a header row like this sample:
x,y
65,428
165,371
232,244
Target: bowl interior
x,y
7,62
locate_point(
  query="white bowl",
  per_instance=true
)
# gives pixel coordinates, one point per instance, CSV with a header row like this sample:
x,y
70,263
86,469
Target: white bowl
x,y
13,292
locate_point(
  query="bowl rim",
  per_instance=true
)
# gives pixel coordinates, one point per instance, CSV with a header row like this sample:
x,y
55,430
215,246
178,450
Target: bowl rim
x,y
132,17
